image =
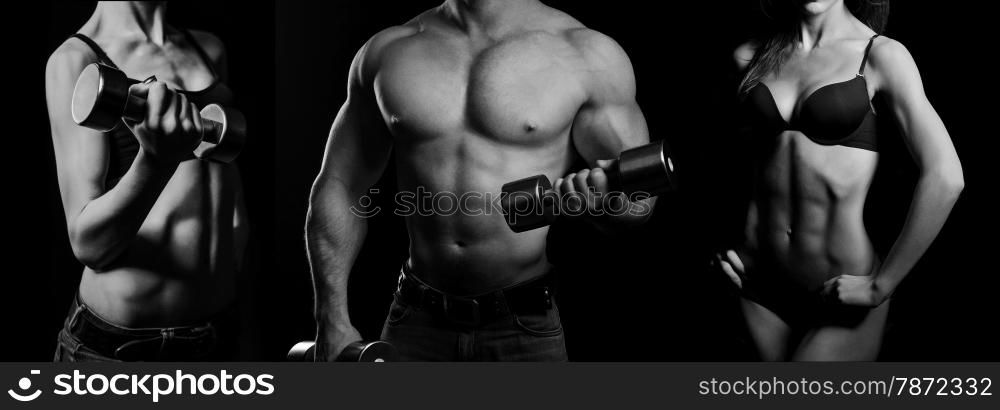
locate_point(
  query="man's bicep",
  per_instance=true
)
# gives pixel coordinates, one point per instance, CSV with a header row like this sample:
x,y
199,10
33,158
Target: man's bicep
x,y
602,132
359,145
81,153
610,121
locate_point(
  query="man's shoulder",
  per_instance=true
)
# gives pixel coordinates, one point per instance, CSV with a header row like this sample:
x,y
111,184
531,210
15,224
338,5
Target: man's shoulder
x,y
561,24
606,62
594,45
371,54
393,36
385,39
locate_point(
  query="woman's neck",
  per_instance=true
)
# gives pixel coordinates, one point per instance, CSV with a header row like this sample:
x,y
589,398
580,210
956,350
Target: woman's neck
x,y
138,18
814,28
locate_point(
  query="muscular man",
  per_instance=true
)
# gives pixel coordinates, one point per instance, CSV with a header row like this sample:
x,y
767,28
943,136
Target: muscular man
x,y
159,232
471,95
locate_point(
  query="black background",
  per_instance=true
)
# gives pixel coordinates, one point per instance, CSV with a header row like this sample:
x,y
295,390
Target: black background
x,y
646,297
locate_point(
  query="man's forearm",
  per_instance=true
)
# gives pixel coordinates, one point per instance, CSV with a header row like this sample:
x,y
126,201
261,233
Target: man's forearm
x,y
106,226
333,238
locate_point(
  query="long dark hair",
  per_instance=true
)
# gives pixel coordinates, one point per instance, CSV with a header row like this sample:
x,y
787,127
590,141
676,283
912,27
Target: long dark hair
x,y
783,31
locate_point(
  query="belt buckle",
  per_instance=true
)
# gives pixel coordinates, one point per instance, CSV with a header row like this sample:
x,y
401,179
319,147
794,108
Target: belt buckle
x,y
463,311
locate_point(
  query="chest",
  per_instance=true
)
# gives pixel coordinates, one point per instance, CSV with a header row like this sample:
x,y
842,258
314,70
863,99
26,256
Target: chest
x,y
519,91
802,77
179,67
821,95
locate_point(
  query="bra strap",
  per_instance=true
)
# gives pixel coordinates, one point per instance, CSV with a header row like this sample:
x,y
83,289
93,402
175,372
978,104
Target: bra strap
x,y
101,55
864,60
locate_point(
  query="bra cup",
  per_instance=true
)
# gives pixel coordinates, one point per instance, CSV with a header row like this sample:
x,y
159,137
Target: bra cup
x,y
834,114
831,114
761,113
217,93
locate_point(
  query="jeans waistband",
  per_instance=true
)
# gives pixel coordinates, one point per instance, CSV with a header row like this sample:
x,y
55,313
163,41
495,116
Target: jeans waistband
x,y
535,295
124,343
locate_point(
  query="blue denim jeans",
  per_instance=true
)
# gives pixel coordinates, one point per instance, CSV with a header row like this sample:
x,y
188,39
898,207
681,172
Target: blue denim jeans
x,y
422,335
86,337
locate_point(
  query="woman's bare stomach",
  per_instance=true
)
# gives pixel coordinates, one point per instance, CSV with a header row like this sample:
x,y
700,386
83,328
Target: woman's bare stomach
x,y
809,256
137,298
180,268
810,212
791,266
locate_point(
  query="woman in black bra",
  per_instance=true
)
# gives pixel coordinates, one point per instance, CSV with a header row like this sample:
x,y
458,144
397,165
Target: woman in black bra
x,y
813,287
159,232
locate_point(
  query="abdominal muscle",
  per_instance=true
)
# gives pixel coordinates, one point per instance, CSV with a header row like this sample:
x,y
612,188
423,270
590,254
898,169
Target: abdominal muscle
x,y
470,253
179,269
810,204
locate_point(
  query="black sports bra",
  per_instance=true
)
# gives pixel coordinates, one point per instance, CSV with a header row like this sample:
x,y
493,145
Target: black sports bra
x,y
124,145
835,114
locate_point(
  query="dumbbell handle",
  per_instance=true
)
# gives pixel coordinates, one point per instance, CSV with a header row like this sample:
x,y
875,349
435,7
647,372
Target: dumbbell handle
x,y
135,111
646,170
358,351
638,169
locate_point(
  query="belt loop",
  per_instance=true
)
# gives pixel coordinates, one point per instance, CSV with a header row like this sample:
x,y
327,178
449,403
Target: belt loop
x,y
166,335
80,307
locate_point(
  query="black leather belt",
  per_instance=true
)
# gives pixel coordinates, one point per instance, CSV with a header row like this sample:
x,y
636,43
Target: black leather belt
x,y
534,296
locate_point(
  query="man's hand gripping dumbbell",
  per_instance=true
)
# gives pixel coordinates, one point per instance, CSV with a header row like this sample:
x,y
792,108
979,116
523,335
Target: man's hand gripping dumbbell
x,y
165,123
647,170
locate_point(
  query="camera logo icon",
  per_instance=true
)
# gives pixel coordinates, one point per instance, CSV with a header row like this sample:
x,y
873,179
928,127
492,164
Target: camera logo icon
x,y
24,384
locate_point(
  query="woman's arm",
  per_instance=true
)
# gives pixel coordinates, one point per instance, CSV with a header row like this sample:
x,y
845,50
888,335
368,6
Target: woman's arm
x,y
102,223
939,184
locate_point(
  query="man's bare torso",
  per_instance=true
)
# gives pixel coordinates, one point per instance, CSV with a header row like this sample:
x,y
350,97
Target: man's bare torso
x,y
468,114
